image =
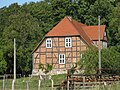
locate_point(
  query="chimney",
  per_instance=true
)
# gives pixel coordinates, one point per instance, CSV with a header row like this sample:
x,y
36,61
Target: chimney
x,y
69,17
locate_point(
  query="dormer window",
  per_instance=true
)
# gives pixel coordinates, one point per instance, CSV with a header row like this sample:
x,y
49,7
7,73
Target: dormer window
x,y
68,42
48,43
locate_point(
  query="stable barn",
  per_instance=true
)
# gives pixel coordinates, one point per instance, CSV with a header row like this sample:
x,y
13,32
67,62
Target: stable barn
x,y
65,43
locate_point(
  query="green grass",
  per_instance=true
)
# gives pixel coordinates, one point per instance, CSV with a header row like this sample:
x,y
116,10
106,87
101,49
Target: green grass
x,y
21,83
114,86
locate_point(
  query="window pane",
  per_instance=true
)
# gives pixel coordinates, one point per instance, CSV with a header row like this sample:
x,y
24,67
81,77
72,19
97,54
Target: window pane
x,y
68,42
48,43
60,61
61,58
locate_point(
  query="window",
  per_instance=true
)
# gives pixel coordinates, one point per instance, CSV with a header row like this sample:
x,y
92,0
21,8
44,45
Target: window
x,y
61,58
68,42
82,57
48,43
104,33
104,44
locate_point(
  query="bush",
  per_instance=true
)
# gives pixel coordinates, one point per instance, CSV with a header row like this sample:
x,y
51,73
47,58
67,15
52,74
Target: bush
x,y
110,61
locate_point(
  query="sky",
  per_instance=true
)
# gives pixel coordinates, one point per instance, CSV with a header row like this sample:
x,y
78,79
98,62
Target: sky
x,y
20,2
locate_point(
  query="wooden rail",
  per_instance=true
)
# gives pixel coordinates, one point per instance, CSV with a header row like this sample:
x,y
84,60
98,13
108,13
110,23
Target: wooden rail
x,y
83,81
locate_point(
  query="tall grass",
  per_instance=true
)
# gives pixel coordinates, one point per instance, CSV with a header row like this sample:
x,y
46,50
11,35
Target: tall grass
x,y
113,86
32,83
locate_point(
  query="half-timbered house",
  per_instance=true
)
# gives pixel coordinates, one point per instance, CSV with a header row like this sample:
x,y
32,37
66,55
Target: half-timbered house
x,y
64,44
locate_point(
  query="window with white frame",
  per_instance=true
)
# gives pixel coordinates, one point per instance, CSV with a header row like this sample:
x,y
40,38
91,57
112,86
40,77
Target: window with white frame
x,y
61,58
104,44
68,42
82,56
104,33
48,43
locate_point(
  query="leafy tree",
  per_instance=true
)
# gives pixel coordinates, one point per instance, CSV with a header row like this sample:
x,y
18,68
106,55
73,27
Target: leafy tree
x,y
26,30
114,26
109,61
43,12
3,63
62,8
46,68
100,7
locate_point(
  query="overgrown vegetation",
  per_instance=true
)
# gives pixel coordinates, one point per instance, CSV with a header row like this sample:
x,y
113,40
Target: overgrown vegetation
x,y
110,61
46,68
30,22
21,83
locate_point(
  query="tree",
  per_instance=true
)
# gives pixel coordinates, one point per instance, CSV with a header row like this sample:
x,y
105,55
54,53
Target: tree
x,y
100,7
109,58
3,63
114,26
26,30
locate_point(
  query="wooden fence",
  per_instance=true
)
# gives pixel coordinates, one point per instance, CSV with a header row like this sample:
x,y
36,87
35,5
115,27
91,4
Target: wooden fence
x,y
87,81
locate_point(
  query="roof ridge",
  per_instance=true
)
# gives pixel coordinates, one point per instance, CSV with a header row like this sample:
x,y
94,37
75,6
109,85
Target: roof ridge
x,y
72,23
86,33
83,31
93,26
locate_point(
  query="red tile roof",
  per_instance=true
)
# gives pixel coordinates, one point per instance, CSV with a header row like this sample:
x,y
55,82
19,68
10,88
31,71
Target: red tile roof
x,y
92,31
63,28
69,27
84,36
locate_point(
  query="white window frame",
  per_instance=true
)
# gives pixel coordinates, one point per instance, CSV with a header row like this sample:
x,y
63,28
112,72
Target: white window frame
x,y
49,43
105,33
81,55
61,58
68,42
104,44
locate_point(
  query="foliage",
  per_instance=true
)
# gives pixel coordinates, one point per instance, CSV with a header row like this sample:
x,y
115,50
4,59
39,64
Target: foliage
x,y
114,26
109,61
46,68
3,63
41,66
72,70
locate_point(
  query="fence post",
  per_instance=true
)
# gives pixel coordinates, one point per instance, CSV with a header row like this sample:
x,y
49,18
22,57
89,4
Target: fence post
x,y
68,74
4,82
27,86
83,82
13,84
52,84
68,84
39,84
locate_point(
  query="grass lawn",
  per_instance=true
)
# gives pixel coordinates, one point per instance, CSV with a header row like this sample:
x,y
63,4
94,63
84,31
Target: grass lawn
x,y
21,83
114,86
